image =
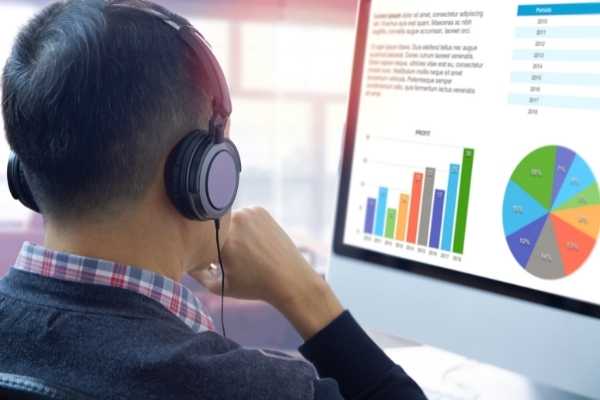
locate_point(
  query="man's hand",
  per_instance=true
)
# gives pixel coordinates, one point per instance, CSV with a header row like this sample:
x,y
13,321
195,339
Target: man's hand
x,y
262,263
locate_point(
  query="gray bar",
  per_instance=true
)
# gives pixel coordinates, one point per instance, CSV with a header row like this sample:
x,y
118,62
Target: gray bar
x,y
426,207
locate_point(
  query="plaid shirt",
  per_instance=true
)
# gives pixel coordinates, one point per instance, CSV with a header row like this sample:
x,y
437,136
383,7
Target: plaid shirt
x,y
172,295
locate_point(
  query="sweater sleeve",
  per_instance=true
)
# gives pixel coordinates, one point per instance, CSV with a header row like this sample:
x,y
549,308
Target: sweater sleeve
x,y
345,356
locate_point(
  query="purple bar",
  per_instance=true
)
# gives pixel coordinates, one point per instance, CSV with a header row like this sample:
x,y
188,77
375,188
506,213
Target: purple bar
x,y
370,215
436,221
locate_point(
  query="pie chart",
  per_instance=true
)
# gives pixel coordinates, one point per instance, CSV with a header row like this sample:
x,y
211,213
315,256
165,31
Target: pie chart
x,y
551,212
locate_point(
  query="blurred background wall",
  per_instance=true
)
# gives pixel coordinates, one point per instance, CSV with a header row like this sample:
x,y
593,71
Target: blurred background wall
x,y
288,64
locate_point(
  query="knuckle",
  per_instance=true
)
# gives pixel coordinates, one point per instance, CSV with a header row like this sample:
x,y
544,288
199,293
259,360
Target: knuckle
x,y
244,214
261,211
237,216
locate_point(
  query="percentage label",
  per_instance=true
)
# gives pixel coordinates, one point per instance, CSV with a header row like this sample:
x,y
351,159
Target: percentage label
x,y
572,246
536,172
525,242
518,209
547,257
574,181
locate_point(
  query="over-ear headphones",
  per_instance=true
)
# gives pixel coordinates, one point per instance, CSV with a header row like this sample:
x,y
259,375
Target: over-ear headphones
x,y
17,183
203,171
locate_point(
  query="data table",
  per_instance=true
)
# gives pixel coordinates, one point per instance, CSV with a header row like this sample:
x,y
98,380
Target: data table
x,y
556,57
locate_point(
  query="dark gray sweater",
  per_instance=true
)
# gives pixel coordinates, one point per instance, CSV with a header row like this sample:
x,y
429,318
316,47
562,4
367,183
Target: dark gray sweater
x,y
114,344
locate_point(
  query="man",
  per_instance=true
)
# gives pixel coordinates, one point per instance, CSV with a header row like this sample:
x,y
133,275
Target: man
x,y
95,98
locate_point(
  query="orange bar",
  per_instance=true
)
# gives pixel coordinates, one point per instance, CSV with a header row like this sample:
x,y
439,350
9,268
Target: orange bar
x,y
402,217
415,207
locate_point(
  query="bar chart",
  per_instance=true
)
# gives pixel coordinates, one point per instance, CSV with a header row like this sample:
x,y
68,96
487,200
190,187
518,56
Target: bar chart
x,y
432,213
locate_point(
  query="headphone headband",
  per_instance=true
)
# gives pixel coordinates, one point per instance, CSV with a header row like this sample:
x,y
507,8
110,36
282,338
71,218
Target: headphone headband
x,y
222,105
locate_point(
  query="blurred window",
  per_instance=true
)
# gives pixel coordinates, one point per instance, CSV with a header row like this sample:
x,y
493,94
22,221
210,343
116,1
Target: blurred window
x,y
304,71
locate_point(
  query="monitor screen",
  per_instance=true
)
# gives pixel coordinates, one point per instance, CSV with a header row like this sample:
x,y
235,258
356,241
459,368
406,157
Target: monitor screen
x,y
472,147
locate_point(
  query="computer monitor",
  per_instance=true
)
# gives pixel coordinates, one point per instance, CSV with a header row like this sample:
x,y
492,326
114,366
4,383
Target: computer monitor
x,y
468,209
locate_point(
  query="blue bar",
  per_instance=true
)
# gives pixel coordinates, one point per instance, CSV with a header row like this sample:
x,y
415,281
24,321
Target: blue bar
x,y
370,216
531,100
381,210
554,78
449,217
536,10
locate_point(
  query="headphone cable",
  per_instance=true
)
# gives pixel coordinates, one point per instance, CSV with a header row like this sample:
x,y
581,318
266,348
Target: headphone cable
x,y
217,230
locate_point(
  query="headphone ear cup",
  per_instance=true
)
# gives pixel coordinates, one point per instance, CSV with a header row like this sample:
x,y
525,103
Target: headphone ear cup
x,y
216,181
202,176
179,169
236,155
17,184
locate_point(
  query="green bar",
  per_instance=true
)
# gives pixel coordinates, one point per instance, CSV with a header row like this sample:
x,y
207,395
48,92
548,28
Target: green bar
x,y
390,224
463,201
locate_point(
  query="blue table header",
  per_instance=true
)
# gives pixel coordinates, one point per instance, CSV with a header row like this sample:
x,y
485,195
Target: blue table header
x,y
558,9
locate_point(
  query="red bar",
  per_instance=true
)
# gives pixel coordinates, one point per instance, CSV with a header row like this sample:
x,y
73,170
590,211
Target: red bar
x,y
415,207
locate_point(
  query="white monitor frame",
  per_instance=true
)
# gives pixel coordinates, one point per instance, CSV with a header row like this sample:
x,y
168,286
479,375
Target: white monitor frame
x,y
550,338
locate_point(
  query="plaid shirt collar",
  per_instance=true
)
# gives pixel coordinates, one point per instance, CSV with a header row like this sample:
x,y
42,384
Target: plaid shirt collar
x,y
67,267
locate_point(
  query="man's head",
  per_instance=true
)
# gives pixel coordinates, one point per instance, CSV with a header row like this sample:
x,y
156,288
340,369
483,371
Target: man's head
x,y
94,99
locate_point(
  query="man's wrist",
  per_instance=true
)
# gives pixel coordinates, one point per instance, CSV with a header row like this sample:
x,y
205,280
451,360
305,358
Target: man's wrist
x,y
311,308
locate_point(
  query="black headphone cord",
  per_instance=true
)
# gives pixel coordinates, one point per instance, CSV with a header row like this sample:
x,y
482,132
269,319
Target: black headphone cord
x,y
217,230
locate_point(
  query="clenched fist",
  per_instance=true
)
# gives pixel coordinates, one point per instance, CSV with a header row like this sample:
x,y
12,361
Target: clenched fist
x,y
262,263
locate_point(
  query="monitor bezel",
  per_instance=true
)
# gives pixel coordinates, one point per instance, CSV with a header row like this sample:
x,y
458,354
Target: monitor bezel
x,y
427,270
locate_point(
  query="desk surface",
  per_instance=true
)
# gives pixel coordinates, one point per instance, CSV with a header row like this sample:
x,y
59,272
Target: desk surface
x,y
440,371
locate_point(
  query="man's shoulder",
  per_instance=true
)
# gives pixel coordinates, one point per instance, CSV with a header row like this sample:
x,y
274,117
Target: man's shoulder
x,y
148,356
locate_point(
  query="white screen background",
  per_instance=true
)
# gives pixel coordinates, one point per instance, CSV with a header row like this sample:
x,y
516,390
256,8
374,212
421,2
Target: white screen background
x,y
502,134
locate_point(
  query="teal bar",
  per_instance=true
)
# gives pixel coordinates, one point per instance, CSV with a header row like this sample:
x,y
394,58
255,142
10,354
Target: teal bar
x,y
381,211
450,212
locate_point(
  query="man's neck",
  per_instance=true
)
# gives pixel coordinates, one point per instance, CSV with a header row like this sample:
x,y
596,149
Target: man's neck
x,y
136,242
